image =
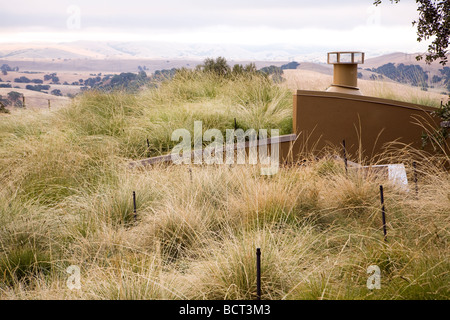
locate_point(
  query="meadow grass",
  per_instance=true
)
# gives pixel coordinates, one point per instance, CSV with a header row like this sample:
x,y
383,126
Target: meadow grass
x,y
66,199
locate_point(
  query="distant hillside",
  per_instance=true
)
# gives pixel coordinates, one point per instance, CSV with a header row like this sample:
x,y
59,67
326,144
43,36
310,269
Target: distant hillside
x,y
405,68
400,57
43,53
131,57
414,75
151,50
34,99
316,67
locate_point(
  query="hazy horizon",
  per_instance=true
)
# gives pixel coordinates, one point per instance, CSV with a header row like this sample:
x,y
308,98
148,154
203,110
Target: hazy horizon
x,y
292,27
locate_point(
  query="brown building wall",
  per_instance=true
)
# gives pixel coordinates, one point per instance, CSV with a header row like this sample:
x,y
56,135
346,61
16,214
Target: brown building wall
x,y
326,118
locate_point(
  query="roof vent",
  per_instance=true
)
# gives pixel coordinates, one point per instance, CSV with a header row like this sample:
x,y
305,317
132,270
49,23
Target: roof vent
x,y
345,74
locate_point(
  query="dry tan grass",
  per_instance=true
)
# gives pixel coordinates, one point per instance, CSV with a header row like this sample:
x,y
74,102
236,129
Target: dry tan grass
x,y
66,199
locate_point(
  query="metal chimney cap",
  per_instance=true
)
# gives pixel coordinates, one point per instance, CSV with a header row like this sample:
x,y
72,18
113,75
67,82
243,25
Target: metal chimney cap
x,y
345,57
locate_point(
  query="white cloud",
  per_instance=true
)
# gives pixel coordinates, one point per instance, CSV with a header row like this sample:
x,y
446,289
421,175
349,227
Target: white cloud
x,y
348,24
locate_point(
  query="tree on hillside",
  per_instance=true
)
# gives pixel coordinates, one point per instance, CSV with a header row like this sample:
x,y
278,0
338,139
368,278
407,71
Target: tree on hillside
x,y
14,96
247,69
271,70
15,99
218,66
238,69
436,79
250,68
51,76
164,74
434,21
56,92
6,67
38,87
22,80
290,65
3,104
413,74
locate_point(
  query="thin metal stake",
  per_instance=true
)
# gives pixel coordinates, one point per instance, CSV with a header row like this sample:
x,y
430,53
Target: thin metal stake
x,y
345,156
134,205
415,178
235,124
258,273
383,212
148,147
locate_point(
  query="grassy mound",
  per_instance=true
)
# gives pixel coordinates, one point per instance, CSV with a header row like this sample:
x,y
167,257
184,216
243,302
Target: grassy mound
x,y
66,199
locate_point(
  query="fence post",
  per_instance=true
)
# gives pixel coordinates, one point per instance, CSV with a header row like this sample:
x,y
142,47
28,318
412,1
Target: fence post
x,y
258,273
415,179
383,212
134,205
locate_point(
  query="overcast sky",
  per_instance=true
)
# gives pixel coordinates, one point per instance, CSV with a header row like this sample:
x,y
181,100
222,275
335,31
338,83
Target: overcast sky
x,y
343,24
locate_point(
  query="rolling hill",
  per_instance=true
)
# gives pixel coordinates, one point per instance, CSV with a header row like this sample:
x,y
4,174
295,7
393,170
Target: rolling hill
x,y
34,99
